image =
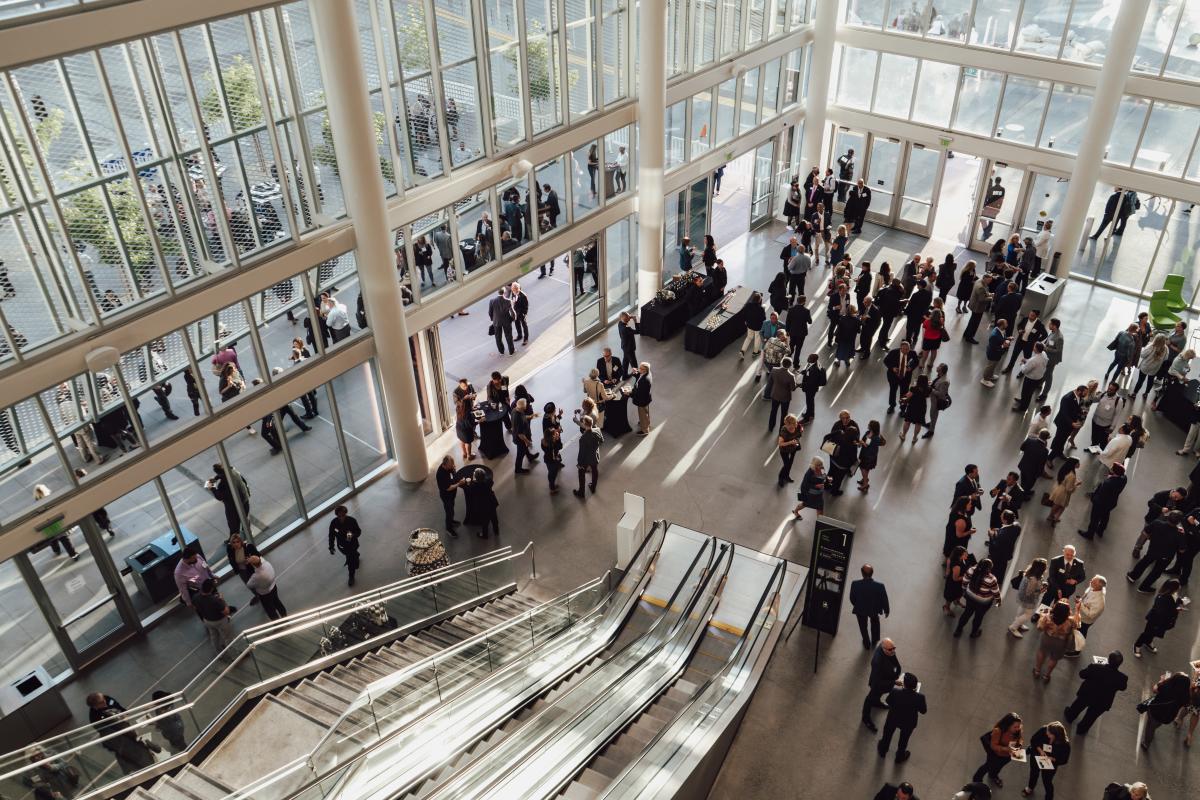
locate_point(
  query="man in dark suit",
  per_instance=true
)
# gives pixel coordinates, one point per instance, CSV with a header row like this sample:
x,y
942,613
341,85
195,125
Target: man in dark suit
x,y
905,705
1104,500
1065,573
868,599
500,312
1024,336
915,310
1095,695
857,204
1003,545
798,320
1033,460
888,300
1111,206
1006,495
885,669
1129,204
1163,539
1007,307
611,369
968,484
893,792
627,328
900,364
1068,420
553,209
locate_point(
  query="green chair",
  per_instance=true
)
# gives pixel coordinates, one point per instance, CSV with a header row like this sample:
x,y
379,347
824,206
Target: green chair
x,y
1173,285
1161,315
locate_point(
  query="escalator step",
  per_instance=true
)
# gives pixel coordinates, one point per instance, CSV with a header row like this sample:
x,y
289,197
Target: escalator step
x,y
607,766
577,791
672,704
657,711
593,780
623,749
639,733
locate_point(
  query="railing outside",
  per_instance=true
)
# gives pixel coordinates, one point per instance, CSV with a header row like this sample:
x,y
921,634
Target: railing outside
x,y
258,656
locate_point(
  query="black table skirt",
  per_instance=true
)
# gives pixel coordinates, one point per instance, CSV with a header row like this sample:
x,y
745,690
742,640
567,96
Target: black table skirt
x,y
1178,402
660,321
491,438
616,417
709,343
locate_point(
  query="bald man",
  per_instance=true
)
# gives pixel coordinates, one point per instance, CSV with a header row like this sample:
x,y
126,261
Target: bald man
x,y
885,670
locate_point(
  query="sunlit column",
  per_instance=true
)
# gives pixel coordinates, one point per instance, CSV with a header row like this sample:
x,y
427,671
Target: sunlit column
x,y
339,49
652,102
1118,60
820,72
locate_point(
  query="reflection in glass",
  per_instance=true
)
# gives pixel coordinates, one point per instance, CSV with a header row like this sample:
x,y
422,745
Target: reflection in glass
x,y
704,16
581,57
619,170
949,19
770,92
1177,248
881,174
1155,38
1184,60
675,134
1042,26
362,419
701,122
995,23
1126,130
24,634
855,77
865,13
586,178
749,117
726,100
1045,202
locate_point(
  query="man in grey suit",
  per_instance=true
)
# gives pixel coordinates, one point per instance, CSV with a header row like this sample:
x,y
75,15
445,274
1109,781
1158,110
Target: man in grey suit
x,y
1053,345
500,312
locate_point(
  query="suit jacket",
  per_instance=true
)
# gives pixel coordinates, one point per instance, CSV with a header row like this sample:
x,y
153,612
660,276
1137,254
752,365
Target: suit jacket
x,y
1109,491
885,670
904,707
1007,307
1059,574
889,791
1004,545
1110,205
918,303
500,310
888,300
965,486
868,596
1101,682
616,372
626,333
892,361
1053,342
1070,410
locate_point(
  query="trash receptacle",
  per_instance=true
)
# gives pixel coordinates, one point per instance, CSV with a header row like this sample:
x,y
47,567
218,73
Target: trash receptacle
x,y
30,707
1042,295
153,566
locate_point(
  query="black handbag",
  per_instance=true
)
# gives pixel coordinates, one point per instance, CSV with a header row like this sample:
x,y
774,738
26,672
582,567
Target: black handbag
x,y
1016,579
492,330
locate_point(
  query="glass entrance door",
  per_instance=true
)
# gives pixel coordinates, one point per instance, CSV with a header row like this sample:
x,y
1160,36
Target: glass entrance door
x,y
999,200
922,174
881,173
845,140
587,290
79,595
761,194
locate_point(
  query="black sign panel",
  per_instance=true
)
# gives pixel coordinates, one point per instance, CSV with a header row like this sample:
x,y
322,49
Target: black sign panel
x,y
827,574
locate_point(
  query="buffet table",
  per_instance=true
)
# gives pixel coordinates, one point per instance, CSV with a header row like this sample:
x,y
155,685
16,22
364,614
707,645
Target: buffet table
x,y
719,325
1178,403
661,320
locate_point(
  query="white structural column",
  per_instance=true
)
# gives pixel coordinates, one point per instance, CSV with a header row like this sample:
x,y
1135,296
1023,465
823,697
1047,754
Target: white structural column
x,y
1118,60
820,73
339,49
652,109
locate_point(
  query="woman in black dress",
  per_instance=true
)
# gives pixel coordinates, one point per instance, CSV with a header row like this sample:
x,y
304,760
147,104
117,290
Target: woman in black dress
x,y
966,285
777,293
709,256
868,454
916,403
946,276
464,426
956,568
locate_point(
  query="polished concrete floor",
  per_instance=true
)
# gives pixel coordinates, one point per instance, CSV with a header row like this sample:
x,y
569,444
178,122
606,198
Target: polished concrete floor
x,y
710,464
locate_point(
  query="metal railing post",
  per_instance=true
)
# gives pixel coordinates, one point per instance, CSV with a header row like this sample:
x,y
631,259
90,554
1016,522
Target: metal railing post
x,y
532,561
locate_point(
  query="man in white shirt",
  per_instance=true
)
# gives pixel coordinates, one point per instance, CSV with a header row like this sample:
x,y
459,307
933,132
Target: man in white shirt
x,y
1053,343
336,317
1040,422
1033,370
262,583
1105,415
1117,448
622,161
1041,245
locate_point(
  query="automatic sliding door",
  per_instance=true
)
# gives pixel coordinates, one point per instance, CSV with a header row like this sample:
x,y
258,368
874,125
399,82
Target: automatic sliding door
x,y
761,194
921,171
880,177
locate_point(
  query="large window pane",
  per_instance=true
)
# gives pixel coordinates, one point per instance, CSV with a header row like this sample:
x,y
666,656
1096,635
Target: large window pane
x,y
701,122
581,57
77,590
551,174
1184,60
977,100
29,458
504,57
865,13
24,634
1125,131
363,423
137,519
1045,202
1042,26
917,199
704,16
462,113
676,135
586,178
476,232
272,501
1155,39
935,99
1021,109
856,77
949,19
1177,252
726,100
314,452
1067,118
897,74
619,168
618,255
615,49
995,23
1091,28
1169,135
749,115
770,91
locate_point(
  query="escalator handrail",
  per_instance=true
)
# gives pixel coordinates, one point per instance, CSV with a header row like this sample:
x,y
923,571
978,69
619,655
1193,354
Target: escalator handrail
x,y
738,657
654,539
676,632
707,546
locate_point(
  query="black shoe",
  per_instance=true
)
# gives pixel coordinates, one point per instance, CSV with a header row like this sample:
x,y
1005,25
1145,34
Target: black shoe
x,y
902,756
172,416
927,435
1085,534
577,492
305,428
522,471
592,486
891,410
976,634
882,753
958,633
871,726
350,582
866,645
